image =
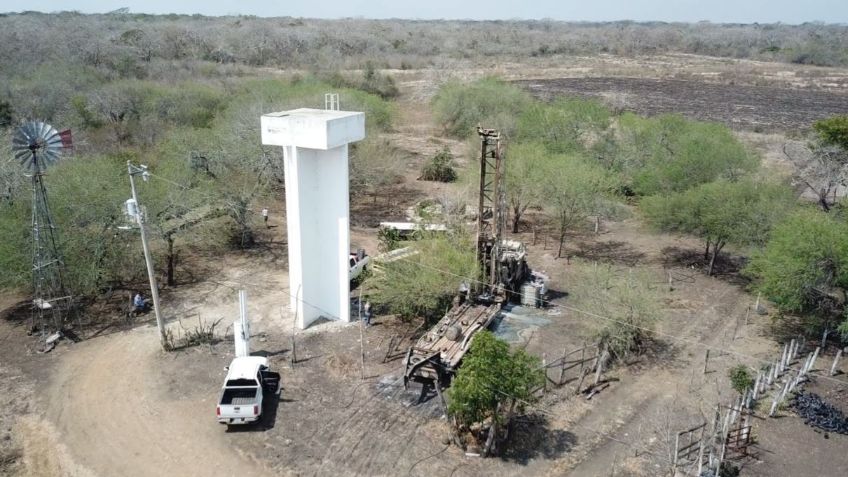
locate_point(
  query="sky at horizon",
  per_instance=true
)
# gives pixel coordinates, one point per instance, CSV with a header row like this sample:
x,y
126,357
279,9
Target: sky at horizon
x,y
716,11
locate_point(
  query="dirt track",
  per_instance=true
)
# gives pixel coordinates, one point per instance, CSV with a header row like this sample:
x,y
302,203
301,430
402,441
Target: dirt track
x,y
117,418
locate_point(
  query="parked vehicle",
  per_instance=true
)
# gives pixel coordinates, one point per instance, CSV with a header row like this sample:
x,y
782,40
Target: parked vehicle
x,y
249,379
359,263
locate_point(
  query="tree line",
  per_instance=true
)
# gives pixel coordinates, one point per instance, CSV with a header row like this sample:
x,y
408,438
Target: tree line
x,y
128,42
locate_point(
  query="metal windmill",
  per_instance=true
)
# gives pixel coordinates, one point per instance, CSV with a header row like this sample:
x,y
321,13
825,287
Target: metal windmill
x,y
37,144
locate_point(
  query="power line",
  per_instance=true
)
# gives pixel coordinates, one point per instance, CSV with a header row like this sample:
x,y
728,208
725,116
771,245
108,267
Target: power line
x,y
348,424
624,323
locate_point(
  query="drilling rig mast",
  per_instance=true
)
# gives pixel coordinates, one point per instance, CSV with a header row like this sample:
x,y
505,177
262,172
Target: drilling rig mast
x,y
503,269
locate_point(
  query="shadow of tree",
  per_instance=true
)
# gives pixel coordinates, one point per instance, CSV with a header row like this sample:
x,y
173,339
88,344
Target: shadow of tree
x,y
532,437
727,267
611,251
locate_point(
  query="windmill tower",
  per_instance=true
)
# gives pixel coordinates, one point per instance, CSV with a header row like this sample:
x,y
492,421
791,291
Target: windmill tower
x,y
36,145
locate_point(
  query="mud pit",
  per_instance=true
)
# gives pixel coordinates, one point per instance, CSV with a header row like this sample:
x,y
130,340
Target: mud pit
x,y
760,108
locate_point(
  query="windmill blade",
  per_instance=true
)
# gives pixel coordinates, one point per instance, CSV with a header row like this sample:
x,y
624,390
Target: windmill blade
x,y
54,140
40,130
20,142
37,140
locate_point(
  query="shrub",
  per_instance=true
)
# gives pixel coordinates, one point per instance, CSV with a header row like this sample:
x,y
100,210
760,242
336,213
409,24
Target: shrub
x,y
566,125
389,238
423,284
833,131
630,300
740,378
440,168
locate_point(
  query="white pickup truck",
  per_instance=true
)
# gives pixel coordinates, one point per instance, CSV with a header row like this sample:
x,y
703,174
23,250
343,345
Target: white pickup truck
x,y
359,262
248,379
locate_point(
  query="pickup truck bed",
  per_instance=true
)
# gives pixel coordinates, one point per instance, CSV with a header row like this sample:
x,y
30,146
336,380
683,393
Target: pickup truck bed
x,y
243,401
239,396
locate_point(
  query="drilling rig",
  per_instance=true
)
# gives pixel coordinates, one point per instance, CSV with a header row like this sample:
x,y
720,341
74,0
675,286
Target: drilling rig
x,y
503,270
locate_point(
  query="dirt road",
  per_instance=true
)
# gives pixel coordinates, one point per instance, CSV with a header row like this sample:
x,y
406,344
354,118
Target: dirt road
x,y
117,418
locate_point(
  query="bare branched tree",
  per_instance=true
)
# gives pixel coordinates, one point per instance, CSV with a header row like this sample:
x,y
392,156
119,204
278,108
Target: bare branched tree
x,y
822,170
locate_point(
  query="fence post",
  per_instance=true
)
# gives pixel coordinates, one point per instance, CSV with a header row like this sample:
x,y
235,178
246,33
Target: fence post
x,y
835,363
815,357
582,377
601,360
562,368
706,360
783,358
676,451
545,369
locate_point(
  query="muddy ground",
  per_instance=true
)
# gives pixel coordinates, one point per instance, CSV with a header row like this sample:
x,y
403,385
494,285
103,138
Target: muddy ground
x,y
758,108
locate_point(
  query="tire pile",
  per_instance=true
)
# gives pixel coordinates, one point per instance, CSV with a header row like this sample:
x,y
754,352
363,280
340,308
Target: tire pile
x,y
817,413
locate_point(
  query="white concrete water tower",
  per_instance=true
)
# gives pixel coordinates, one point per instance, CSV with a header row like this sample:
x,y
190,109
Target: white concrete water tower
x,y
315,153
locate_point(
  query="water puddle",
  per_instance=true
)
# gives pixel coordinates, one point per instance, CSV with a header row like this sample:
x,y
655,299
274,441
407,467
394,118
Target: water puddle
x,y
516,323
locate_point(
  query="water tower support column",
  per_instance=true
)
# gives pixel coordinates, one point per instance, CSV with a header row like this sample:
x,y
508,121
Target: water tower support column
x,y
315,148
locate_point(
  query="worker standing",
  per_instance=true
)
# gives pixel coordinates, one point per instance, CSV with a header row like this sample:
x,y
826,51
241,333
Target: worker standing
x,y
366,313
265,216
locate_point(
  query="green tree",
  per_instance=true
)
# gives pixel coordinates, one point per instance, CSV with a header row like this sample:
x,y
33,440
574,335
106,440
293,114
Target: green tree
x,y
804,267
671,154
566,125
492,383
488,102
424,283
572,189
523,182
722,212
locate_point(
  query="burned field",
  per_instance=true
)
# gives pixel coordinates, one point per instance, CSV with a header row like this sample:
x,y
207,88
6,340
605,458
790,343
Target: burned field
x,y
759,108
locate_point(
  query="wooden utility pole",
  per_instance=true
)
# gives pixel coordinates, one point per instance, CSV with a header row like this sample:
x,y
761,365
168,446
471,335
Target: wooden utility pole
x,y
151,275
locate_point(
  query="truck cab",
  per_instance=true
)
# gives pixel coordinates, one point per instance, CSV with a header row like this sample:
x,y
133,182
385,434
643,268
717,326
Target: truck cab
x,y
359,262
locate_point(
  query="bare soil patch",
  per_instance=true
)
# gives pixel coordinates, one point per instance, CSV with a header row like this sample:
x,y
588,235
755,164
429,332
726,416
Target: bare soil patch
x,y
760,108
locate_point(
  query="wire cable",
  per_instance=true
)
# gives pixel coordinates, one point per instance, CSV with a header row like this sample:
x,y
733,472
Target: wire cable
x,y
624,323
